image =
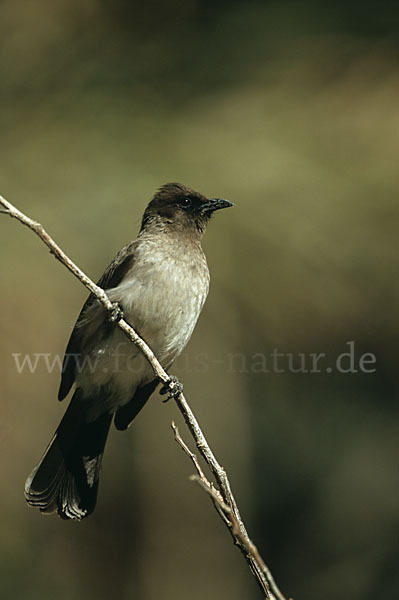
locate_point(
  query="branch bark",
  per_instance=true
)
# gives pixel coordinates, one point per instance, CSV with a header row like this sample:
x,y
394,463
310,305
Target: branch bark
x,y
222,497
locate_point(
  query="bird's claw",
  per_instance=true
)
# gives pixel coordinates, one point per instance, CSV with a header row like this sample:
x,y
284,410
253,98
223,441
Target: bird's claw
x,y
173,388
116,314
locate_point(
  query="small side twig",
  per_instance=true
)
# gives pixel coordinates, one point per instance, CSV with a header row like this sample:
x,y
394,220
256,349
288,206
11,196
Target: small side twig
x,y
235,528
187,450
229,517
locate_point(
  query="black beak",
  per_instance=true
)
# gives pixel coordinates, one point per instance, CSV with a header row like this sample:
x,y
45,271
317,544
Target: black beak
x,y
215,204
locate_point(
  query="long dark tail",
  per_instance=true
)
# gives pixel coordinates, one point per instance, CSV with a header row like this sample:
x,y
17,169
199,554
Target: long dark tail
x,y
66,479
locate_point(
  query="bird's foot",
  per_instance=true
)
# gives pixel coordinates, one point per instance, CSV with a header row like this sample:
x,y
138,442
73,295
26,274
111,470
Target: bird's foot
x,y
173,388
116,314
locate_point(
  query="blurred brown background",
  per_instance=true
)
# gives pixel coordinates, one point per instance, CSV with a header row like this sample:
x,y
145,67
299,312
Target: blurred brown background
x,y
290,110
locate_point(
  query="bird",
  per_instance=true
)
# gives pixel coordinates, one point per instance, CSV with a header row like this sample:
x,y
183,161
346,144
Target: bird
x,y
159,283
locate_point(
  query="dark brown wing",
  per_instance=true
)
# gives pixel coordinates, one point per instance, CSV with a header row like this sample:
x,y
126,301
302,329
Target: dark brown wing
x,y
111,278
125,415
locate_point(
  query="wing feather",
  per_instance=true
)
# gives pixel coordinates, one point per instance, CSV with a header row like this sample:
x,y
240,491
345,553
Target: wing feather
x,y
111,278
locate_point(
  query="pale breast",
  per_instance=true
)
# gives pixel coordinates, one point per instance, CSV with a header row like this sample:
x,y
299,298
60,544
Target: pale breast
x,y
164,296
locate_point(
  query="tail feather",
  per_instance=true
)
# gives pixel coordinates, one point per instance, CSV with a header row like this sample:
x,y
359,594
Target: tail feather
x,y
66,479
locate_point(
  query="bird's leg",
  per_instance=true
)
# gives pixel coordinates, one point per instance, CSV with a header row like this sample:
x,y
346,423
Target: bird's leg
x,y
173,388
116,314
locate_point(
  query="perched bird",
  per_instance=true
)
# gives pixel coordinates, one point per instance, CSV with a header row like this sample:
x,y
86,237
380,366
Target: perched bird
x,y
160,282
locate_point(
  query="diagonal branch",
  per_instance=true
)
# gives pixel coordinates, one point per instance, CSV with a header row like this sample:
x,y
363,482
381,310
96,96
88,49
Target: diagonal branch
x,y
223,498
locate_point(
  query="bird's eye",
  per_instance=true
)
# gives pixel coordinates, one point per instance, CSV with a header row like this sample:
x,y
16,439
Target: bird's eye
x,y
185,202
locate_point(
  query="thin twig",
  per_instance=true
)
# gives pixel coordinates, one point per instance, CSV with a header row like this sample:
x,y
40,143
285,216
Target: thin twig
x,y
246,541
187,450
228,514
200,472
225,497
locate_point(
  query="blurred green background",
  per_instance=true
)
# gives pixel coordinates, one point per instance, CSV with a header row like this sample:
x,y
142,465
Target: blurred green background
x,y
290,110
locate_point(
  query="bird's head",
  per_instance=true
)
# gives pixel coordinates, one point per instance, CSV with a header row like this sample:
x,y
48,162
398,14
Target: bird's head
x,y
179,207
